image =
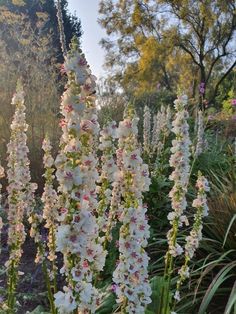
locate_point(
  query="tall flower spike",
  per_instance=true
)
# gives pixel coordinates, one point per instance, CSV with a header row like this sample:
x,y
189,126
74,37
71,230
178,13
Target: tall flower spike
x,y
61,28
161,129
156,132
168,119
131,275
77,235
2,175
200,135
50,202
146,129
192,241
235,147
20,190
179,160
107,146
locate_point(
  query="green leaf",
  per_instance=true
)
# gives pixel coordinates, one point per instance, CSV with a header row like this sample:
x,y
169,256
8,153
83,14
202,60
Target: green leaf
x,y
217,281
157,284
228,229
39,310
108,304
231,301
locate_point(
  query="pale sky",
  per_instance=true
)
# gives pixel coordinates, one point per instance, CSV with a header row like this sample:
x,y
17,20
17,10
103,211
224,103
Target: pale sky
x,y
87,11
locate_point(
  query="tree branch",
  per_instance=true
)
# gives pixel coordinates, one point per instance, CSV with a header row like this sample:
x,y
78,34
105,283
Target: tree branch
x,y
221,80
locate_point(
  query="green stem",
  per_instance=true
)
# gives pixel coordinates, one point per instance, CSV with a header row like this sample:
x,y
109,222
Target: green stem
x,y
47,280
48,284
53,262
11,288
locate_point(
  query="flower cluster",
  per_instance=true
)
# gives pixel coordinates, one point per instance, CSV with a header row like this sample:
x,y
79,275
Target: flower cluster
x,y
192,241
146,129
179,160
108,137
77,235
161,129
50,212
202,87
20,189
200,135
2,175
131,276
50,200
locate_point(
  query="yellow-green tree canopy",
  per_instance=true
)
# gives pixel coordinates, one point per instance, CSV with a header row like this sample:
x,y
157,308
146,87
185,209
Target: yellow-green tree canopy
x,y
172,43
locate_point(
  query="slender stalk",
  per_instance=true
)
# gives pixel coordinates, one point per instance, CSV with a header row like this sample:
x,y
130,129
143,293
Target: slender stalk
x,y
61,28
47,280
11,289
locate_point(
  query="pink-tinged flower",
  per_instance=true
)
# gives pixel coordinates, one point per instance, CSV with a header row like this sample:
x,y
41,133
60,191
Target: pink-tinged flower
x,y
210,117
69,108
202,88
205,102
113,287
85,264
82,62
233,102
62,69
128,124
86,126
62,123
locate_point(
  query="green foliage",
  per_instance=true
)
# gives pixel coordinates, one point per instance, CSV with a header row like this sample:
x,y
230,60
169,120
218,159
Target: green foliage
x,y
39,310
217,163
158,284
228,84
108,304
227,104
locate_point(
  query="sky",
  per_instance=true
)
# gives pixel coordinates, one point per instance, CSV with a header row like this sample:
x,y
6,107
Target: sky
x,y
87,11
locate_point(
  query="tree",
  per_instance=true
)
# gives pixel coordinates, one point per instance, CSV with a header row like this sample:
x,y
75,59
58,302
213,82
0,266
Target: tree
x,y
30,48
174,43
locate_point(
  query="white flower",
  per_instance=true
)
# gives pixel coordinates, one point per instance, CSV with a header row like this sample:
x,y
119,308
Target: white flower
x,y
65,302
62,236
177,296
18,97
68,177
